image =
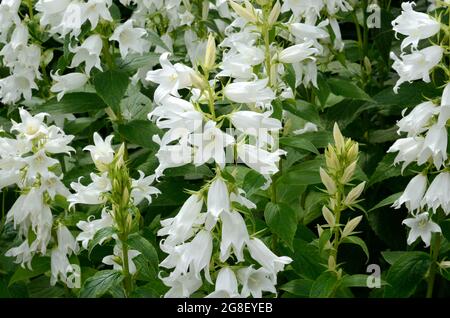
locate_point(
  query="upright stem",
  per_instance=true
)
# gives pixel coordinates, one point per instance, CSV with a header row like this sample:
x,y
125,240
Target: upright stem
x,y
127,282
434,251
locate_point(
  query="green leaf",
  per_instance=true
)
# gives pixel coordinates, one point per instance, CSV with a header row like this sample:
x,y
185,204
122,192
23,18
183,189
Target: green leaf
x,y
392,256
73,103
324,238
100,235
101,283
307,262
406,274
385,170
39,266
135,105
325,285
357,241
156,40
253,181
298,287
345,88
140,132
387,201
300,143
302,109
445,227
358,280
135,61
304,173
139,243
111,87
290,76
282,221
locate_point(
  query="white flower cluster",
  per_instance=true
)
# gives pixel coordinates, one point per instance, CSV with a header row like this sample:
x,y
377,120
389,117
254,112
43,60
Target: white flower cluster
x,y
96,193
425,127
415,26
193,135
22,59
25,161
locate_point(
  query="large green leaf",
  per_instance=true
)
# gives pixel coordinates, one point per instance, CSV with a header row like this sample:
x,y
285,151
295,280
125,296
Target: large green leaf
x,y
406,274
325,285
111,87
306,261
139,243
39,266
140,132
345,88
298,287
282,221
73,103
101,283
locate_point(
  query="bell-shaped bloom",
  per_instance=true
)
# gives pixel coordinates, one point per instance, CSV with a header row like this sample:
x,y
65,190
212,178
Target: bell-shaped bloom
x,y
91,194
416,65
413,194
72,19
182,227
437,193
298,53
39,164
96,9
234,235
101,152
303,7
255,124
210,144
90,227
218,201
434,146
264,256
141,189
62,270
417,120
250,92
238,63
256,281
415,25
194,256
116,260
130,39
181,285
239,197
421,226
67,83
408,150
304,31
266,163
88,53
30,126
170,156
170,78
226,285
176,113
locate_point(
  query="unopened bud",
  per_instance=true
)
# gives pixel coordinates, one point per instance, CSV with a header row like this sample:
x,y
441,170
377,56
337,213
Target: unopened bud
x,y
247,13
350,226
210,55
348,173
338,138
444,264
328,216
367,65
197,81
331,158
327,181
352,152
275,13
331,263
354,194
125,196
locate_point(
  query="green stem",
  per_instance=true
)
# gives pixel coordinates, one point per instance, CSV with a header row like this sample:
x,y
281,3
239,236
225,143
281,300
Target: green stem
x,y
434,251
30,8
127,281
